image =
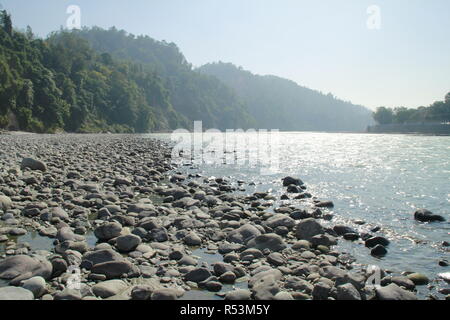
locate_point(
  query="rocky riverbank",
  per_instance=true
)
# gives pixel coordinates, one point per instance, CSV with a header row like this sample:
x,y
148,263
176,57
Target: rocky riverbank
x,y
125,225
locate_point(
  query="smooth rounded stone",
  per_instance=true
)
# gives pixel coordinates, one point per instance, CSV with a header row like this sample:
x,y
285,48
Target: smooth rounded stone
x,y
323,240
378,251
283,295
101,256
442,263
68,294
400,281
127,242
276,259
22,267
57,212
308,255
15,293
250,254
47,297
142,292
300,296
321,291
308,228
187,261
5,203
243,234
347,292
418,279
351,236
59,266
221,268
342,229
394,292
211,285
49,232
35,285
230,257
238,295
264,287
423,215
198,275
298,284
159,235
227,247
116,269
192,239
270,241
325,204
3,238
165,294
301,244
96,277
108,231
109,288
228,277
33,164
17,232
280,220
372,242
287,181
66,234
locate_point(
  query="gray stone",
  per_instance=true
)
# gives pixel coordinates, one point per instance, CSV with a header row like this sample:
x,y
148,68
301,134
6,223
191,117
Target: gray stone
x,y
394,292
347,292
108,231
5,203
15,293
116,269
109,288
192,239
164,294
270,241
68,294
33,164
321,291
100,256
128,242
238,294
423,215
243,234
35,285
198,275
21,267
307,229
280,220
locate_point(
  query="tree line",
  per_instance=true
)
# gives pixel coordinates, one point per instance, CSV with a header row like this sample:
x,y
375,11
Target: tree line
x,y
439,111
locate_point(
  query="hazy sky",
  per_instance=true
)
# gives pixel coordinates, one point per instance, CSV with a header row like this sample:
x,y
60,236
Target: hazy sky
x,y
321,44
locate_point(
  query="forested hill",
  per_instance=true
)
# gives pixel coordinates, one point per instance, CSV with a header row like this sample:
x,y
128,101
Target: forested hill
x,y
280,103
95,80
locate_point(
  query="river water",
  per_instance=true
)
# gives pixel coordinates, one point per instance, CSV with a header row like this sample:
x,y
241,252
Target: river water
x,y
380,179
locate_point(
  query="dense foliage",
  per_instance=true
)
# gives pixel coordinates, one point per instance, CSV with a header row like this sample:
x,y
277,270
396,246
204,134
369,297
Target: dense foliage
x,y
439,111
278,103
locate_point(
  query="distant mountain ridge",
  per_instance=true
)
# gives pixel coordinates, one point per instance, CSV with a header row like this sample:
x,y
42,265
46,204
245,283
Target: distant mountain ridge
x,y
275,102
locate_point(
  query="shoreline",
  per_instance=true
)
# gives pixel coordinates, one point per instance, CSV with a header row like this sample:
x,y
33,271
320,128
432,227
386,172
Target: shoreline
x,y
120,190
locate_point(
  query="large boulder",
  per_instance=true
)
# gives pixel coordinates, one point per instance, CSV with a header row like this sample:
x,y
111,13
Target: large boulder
x,y
394,292
290,180
127,242
116,269
15,293
280,220
35,285
264,284
308,228
100,256
243,234
108,230
5,203
22,267
423,215
109,288
33,164
270,241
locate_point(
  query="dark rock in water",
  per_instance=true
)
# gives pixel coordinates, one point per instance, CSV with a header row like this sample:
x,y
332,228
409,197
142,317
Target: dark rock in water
x,y
419,279
284,197
33,164
378,251
290,180
372,242
325,204
293,189
21,267
424,215
394,292
307,229
341,230
351,236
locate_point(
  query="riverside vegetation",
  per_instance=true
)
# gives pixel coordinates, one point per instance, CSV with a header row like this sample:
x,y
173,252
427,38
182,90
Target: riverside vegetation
x,y
116,209
96,80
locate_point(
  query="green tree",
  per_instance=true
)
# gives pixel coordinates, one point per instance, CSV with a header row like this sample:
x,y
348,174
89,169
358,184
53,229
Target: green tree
x,y
383,115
